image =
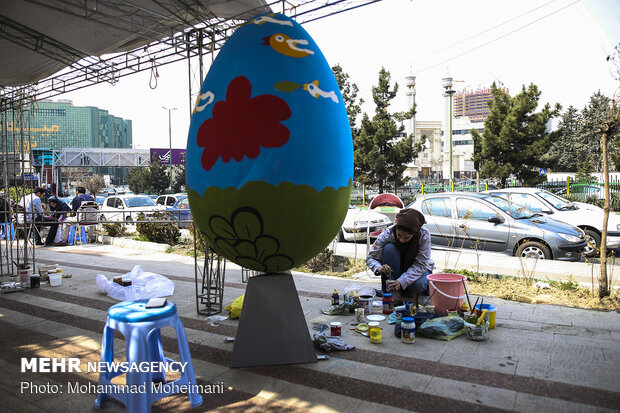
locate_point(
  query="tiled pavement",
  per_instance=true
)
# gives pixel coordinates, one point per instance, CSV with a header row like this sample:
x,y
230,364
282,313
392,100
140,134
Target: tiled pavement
x,y
540,358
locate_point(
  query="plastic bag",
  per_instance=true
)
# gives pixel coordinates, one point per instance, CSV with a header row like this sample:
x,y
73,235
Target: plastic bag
x,y
235,307
144,285
211,320
359,290
442,328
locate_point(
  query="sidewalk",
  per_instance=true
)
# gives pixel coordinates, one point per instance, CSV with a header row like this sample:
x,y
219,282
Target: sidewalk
x,y
540,358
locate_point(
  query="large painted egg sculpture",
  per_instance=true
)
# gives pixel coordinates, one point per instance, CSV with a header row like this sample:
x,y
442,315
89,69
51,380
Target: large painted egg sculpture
x,y
269,150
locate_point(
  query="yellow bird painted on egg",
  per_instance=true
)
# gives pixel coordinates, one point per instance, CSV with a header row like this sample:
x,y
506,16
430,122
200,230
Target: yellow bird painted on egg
x,y
283,44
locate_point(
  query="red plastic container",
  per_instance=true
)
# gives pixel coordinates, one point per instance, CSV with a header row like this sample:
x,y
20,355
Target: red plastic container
x,y
447,291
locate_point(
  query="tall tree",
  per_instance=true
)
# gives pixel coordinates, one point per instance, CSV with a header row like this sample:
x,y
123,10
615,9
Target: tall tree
x,y
567,145
138,180
95,184
159,179
594,117
178,183
349,93
515,136
382,150
610,127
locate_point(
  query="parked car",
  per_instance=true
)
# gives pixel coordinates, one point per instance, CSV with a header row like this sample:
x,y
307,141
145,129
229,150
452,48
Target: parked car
x,y
487,222
583,192
585,216
100,199
181,212
359,222
126,208
169,199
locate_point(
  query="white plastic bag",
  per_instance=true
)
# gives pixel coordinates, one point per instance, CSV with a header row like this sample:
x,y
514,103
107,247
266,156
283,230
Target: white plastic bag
x,y
359,289
144,285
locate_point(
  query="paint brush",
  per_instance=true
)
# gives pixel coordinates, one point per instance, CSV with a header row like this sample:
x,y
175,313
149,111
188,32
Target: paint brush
x,y
474,307
466,293
429,298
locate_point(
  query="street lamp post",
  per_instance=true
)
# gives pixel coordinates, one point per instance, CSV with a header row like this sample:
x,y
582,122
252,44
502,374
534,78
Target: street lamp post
x,y
170,139
447,84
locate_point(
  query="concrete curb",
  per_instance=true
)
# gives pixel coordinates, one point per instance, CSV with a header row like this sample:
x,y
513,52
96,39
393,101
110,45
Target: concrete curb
x,y
131,243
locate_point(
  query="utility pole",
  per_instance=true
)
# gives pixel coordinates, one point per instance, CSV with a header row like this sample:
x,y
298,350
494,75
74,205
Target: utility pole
x,y
170,139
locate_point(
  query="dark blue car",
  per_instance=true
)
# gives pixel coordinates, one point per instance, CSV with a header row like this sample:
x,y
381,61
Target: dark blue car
x,y
181,212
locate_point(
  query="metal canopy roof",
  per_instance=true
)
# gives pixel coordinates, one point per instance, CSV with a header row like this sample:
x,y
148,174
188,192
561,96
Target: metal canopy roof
x,y
51,47
41,37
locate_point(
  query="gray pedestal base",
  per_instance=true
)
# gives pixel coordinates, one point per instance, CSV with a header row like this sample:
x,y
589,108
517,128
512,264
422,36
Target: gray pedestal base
x,y
272,327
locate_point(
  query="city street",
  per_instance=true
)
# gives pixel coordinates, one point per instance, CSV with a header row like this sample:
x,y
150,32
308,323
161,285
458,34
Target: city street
x,y
493,262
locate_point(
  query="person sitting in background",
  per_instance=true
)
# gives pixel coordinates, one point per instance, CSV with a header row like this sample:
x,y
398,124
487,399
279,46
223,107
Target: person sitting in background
x,y
5,209
47,193
59,211
80,196
401,255
33,209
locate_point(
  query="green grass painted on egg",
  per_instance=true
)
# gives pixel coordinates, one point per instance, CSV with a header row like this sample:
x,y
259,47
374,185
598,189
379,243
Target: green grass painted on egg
x,y
269,228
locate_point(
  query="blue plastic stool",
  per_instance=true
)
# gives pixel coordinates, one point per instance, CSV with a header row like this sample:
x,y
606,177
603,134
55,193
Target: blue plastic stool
x,y
82,237
7,231
141,328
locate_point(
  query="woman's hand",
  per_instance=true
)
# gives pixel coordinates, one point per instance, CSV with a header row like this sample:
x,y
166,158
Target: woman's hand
x,y
384,270
393,285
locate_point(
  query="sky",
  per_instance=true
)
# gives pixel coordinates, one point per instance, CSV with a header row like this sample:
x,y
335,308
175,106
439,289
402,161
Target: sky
x,y
559,45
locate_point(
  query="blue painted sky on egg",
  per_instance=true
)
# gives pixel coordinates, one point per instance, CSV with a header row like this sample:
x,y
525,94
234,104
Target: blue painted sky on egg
x,y
319,151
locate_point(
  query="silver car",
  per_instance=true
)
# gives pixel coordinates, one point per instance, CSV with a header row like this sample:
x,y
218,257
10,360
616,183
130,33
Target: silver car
x,y
585,216
486,222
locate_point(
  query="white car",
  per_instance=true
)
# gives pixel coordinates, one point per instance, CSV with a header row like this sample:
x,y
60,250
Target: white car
x,y
359,222
585,216
126,208
169,199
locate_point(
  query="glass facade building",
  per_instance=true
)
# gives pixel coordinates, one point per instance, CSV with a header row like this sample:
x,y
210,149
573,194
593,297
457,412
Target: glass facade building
x,y
58,125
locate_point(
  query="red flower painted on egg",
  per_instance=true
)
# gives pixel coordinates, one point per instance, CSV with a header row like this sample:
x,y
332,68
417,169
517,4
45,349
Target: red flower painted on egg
x,y
241,124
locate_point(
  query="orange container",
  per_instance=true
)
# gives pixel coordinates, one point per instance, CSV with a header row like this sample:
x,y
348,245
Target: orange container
x,y
447,292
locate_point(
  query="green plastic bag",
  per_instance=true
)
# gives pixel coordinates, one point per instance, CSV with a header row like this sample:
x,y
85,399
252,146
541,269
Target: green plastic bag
x,y
235,307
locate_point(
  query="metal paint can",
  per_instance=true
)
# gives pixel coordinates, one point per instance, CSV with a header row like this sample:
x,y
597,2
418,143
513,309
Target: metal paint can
x,y
366,303
35,281
335,328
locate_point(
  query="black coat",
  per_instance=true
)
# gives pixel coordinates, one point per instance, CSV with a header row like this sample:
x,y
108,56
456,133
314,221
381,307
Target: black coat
x,y
60,210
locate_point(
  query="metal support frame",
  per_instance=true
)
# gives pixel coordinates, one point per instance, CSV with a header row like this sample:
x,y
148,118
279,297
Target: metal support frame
x,y
14,167
209,280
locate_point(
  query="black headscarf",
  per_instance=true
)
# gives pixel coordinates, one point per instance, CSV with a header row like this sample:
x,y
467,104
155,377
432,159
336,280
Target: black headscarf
x,y
409,220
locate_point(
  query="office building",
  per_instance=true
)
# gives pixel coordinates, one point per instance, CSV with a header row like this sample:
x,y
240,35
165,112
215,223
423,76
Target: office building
x,y
473,104
58,125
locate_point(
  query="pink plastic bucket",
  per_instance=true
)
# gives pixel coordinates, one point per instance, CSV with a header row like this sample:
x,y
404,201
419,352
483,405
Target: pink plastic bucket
x,y
447,292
